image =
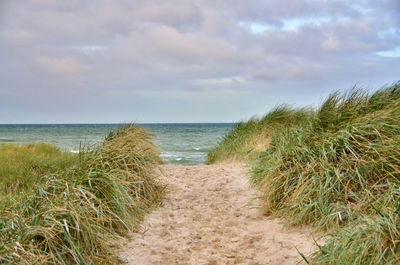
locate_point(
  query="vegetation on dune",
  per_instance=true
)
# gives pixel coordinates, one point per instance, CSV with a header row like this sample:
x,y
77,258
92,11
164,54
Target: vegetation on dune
x,y
336,168
248,139
72,208
21,167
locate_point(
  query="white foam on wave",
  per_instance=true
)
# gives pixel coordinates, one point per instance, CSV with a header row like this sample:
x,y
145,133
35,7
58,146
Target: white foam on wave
x,y
166,155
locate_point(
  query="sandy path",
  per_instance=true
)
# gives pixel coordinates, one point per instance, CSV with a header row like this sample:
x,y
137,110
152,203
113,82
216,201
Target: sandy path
x,y
207,219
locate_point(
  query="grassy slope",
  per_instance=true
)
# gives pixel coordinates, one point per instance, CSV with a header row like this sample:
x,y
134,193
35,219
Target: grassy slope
x,y
21,167
337,168
59,208
250,138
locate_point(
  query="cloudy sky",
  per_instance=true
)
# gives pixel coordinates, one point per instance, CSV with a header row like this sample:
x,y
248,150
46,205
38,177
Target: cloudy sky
x,y
186,60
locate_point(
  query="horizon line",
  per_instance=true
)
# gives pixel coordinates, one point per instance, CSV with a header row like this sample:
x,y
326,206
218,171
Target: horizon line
x,y
117,123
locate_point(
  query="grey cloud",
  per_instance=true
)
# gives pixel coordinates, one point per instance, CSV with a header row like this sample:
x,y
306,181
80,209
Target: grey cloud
x,y
85,53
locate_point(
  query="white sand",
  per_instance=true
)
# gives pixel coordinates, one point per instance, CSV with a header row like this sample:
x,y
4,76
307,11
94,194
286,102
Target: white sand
x,y
209,217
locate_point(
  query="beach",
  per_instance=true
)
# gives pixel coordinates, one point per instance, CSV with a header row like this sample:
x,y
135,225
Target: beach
x,y
330,175
210,215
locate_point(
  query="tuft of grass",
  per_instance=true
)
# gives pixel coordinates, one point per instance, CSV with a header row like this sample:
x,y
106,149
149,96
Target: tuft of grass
x,y
336,168
21,167
247,139
77,210
371,240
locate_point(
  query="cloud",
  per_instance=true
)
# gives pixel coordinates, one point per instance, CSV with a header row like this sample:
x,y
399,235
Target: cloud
x,y
331,43
118,49
61,66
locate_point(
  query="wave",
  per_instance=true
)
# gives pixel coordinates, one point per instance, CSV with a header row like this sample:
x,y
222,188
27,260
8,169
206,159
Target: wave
x,y
203,150
3,140
183,161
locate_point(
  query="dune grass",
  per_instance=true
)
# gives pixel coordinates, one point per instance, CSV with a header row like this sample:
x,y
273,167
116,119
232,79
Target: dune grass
x,y
336,168
248,139
21,167
73,208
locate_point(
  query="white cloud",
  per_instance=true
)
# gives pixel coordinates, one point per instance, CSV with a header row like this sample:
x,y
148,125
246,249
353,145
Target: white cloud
x,y
62,66
331,43
91,49
222,81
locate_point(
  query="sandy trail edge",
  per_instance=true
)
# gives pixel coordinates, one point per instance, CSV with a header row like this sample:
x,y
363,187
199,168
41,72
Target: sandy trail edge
x,y
207,218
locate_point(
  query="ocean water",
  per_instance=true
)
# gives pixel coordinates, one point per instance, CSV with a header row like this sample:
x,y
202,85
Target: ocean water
x,y
184,144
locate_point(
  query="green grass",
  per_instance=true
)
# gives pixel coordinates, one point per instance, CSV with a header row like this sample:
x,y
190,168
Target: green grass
x,y
73,209
248,139
336,168
21,167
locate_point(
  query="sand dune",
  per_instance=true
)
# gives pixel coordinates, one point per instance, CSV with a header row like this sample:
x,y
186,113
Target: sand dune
x,y
210,216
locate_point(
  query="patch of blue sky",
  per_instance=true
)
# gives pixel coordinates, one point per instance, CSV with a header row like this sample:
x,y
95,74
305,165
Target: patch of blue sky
x,y
296,23
389,33
364,10
291,24
393,53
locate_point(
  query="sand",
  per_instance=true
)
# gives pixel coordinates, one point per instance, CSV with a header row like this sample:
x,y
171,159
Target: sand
x,y
210,216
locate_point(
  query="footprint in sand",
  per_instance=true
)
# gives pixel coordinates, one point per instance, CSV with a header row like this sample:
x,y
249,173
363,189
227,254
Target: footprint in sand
x,y
213,224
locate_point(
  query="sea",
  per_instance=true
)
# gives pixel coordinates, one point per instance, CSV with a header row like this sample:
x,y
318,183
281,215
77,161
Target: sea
x,y
179,143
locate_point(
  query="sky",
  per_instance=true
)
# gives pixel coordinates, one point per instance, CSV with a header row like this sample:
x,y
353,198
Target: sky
x,y
112,61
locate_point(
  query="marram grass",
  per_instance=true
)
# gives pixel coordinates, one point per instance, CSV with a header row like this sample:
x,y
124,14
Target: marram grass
x,y
336,168
21,167
252,137
76,208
